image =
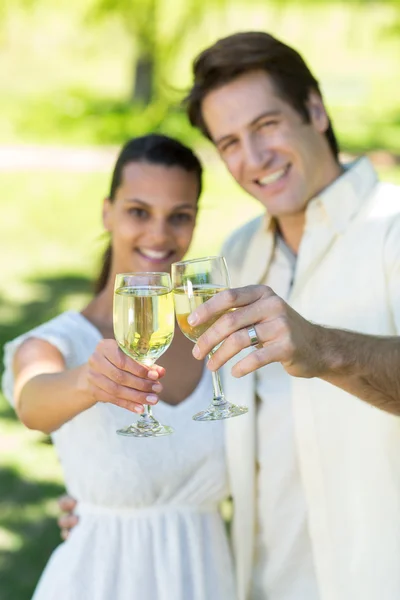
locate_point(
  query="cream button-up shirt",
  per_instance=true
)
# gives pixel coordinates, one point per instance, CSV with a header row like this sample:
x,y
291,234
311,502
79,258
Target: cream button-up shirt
x,y
347,276
284,568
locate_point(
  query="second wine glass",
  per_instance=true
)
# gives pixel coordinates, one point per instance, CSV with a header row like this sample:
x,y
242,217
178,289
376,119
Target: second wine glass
x,y
194,282
144,324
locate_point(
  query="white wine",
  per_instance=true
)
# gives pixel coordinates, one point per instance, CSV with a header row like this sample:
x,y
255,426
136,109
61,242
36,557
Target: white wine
x,y
185,304
143,321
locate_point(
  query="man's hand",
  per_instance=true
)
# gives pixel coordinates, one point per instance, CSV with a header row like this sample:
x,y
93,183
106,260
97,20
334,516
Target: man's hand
x,y
67,521
284,335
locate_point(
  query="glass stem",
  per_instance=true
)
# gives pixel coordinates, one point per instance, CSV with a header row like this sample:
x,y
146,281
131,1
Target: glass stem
x,y
146,419
148,411
219,397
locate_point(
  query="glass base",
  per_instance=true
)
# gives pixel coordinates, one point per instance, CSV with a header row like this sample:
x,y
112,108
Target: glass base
x,y
139,430
223,411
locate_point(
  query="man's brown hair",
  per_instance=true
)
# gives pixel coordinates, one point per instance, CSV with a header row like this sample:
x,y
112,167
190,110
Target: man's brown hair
x,y
241,53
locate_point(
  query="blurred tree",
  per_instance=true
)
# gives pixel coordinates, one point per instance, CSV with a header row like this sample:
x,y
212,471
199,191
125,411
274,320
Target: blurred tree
x,y
142,20
139,18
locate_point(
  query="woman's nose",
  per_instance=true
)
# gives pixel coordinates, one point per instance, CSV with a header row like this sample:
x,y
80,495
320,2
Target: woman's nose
x,y
159,230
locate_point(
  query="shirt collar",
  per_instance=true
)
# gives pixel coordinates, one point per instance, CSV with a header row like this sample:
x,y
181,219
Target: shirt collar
x,y
340,201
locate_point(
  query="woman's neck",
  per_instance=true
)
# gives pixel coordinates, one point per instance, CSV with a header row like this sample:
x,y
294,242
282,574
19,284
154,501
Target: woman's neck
x,y
99,311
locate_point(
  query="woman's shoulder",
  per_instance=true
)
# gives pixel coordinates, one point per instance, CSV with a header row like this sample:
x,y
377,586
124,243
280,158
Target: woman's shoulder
x,y
73,336
67,324
66,332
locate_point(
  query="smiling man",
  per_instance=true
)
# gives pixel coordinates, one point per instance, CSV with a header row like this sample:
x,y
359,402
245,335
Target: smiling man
x,y
315,472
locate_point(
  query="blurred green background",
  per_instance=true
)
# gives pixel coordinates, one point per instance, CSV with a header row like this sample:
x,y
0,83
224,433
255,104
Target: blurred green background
x,y
77,78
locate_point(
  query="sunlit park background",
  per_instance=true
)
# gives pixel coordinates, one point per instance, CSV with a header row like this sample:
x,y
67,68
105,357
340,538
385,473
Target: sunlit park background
x,y
77,78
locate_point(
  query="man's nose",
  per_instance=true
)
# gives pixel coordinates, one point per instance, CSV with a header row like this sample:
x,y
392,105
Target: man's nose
x,y
256,155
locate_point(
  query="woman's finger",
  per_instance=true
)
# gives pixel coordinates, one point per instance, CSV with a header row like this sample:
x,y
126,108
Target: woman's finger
x,y
111,351
106,390
125,378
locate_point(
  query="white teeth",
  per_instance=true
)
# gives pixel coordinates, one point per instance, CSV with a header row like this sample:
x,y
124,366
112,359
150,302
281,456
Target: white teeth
x,y
156,254
273,177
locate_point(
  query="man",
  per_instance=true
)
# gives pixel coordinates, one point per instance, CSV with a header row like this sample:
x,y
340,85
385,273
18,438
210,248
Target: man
x,y
324,475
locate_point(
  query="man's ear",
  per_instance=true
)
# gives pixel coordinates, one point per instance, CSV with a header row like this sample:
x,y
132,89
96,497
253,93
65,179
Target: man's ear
x,y
107,214
316,109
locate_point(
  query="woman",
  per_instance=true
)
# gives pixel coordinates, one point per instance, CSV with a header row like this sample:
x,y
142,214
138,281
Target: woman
x,y
148,527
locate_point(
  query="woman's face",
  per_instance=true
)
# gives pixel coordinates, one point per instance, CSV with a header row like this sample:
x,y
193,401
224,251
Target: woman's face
x,y
152,217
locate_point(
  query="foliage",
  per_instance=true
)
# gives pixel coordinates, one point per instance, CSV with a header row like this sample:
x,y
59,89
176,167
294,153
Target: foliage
x,y
156,44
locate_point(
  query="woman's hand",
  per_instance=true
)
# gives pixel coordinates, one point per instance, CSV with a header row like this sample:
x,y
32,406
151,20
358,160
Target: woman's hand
x,y
284,336
112,376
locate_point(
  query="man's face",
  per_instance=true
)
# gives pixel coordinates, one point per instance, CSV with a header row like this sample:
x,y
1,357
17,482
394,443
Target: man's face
x,y
271,152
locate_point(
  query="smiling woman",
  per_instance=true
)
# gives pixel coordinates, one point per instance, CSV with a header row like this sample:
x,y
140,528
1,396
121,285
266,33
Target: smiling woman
x,y
153,212
148,517
151,209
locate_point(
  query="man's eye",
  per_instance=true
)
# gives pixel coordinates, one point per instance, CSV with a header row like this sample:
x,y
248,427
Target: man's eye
x,y
138,213
268,124
228,146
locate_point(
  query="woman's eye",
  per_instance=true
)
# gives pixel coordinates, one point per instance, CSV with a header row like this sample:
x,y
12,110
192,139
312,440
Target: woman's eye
x,y
180,218
138,213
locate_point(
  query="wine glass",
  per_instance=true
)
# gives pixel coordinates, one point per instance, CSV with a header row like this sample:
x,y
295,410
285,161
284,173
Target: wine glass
x,y
144,324
194,282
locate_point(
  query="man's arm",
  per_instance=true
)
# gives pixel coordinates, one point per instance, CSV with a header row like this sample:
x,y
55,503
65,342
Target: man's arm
x,y
363,365
366,366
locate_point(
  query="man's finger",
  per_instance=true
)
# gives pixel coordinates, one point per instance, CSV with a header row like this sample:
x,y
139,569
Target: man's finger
x,y
267,333
257,359
66,503
226,300
67,521
228,324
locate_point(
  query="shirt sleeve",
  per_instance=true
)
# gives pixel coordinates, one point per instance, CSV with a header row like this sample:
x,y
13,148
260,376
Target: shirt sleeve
x,y
392,271
51,332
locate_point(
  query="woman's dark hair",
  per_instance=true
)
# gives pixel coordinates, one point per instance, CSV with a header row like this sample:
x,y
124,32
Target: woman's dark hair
x,y
154,149
241,53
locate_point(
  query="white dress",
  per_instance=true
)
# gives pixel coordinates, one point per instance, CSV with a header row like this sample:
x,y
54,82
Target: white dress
x,y
149,525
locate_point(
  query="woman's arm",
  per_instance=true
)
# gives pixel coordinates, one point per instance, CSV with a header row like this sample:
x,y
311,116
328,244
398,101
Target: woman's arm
x,y
47,395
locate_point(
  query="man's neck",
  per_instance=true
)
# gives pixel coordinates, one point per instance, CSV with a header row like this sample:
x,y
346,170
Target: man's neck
x,y
291,228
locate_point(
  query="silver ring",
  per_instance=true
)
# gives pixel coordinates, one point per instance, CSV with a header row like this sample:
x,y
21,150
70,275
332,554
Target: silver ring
x,y
254,341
